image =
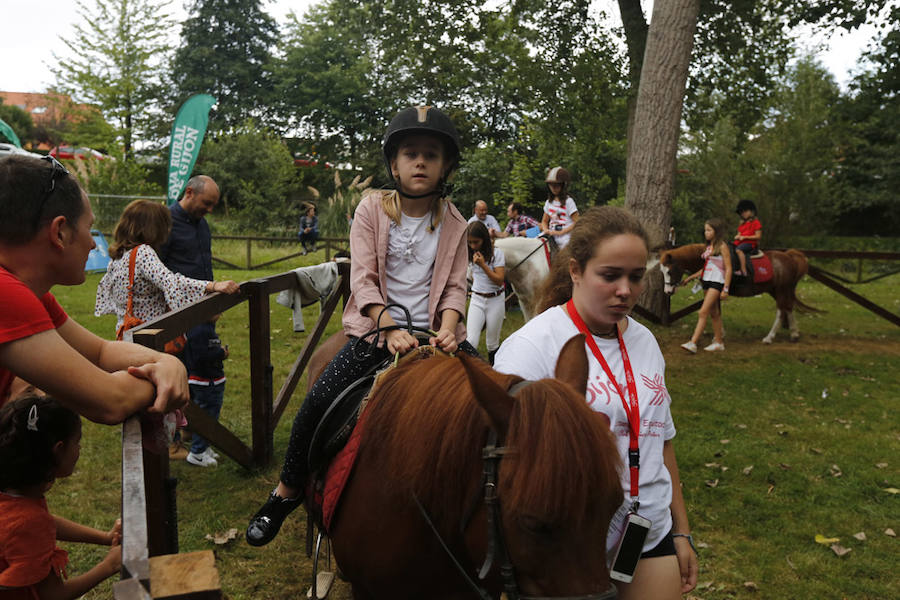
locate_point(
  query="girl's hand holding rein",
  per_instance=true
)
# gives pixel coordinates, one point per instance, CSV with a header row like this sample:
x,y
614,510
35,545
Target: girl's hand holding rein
x,y
445,340
399,340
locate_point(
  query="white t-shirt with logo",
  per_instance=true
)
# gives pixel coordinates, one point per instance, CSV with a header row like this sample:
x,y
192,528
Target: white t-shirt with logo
x,y
532,351
480,280
410,265
560,217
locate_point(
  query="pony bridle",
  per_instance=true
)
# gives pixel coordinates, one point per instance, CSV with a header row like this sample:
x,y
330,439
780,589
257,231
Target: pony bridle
x,y
496,542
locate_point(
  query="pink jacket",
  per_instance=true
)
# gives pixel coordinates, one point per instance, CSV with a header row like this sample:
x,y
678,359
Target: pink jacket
x,y
368,282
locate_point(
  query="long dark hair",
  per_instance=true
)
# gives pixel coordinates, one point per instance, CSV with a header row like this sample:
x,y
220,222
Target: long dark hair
x,y
29,429
595,225
477,229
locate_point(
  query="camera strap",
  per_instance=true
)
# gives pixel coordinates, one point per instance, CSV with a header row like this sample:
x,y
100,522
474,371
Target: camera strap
x,y
631,406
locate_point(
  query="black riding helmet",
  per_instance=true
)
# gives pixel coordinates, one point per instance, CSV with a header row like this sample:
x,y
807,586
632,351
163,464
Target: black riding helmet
x,y
421,119
745,205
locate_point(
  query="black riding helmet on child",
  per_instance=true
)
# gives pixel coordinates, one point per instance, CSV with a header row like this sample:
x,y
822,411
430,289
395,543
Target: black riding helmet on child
x,y
745,205
427,120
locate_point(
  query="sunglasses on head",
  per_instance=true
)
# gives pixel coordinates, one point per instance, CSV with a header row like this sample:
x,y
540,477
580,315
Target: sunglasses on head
x,y
57,171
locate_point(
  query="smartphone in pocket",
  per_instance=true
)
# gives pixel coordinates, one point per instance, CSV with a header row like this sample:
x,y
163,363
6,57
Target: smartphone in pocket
x,y
630,548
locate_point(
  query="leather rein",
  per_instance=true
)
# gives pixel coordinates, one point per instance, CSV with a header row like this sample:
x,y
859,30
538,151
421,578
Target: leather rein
x,y
496,543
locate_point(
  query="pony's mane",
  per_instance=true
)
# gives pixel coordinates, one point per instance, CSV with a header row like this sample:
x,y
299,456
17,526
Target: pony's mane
x,y
429,431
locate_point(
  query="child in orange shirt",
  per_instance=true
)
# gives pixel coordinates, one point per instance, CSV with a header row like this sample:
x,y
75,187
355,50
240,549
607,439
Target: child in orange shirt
x,y
40,440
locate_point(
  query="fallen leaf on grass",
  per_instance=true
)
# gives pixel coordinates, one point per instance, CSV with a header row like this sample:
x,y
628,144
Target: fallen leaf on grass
x,y
881,465
741,426
861,536
704,585
750,585
702,544
771,487
840,550
785,466
816,450
890,532
712,465
821,539
724,441
222,538
712,483
747,470
892,490
836,471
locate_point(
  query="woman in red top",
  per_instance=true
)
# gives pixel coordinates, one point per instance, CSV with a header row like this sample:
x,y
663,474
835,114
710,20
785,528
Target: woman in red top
x,y
749,233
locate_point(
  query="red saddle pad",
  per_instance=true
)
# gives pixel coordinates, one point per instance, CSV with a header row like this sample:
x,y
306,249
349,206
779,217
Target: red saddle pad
x,y
762,269
339,472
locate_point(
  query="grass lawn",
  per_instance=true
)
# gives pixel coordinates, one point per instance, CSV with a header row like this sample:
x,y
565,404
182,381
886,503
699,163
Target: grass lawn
x,y
776,444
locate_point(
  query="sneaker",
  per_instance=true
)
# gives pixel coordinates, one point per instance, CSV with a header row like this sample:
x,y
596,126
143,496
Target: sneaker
x,y
267,521
690,347
210,452
715,347
201,460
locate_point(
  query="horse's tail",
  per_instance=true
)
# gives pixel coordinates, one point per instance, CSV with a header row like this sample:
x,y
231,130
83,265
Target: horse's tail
x,y
801,266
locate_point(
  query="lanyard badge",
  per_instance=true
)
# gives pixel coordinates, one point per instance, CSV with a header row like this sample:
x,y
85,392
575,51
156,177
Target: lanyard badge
x,y
632,409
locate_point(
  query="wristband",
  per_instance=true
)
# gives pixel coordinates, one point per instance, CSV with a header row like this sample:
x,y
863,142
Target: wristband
x,y
690,540
725,288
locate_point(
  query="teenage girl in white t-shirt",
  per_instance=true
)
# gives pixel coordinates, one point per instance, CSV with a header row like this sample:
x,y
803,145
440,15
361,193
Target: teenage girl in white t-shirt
x,y
560,212
487,307
715,276
594,284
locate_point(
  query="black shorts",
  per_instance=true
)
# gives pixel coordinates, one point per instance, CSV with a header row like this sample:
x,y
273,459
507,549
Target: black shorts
x,y
712,284
665,547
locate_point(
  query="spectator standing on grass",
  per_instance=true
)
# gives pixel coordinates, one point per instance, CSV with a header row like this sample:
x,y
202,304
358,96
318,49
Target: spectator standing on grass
x,y
206,376
519,223
481,215
45,239
189,248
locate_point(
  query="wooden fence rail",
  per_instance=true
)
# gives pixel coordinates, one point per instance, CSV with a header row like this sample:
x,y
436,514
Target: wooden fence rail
x,y
149,517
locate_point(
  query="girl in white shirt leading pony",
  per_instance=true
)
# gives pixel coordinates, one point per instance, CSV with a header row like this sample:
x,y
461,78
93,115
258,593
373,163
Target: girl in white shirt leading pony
x,y
715,276
593,285
487,307
560,212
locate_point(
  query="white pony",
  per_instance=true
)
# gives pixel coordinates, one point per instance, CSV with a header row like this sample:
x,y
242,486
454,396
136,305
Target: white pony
x,y
527,265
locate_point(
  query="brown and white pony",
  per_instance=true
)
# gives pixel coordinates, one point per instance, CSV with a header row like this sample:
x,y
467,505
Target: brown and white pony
x,y
788,268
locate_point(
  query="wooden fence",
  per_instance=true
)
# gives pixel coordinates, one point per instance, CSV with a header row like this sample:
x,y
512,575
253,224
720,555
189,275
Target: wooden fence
x,y
149,516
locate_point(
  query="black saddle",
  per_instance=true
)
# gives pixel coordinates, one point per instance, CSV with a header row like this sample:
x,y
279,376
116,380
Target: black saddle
x,y
337,423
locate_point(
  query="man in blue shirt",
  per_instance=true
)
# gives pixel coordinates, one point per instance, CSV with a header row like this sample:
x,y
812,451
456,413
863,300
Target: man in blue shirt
x,y
189,248
189,251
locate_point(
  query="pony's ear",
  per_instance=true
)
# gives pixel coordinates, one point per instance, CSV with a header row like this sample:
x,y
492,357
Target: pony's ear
x,y
572,364
489,395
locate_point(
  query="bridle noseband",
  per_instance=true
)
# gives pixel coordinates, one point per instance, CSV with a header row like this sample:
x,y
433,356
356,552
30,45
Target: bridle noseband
x,y
496,543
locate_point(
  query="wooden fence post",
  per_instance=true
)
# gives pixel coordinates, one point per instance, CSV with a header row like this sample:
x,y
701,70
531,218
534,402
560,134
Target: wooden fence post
x,y
260,371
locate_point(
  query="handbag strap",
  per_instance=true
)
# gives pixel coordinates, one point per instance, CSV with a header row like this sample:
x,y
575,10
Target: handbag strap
x,y
128,306
131,260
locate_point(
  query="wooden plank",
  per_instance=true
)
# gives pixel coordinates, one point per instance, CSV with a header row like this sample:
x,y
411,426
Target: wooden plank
x,y
130,589
278,260
312,340
260,372
218,435
646,314
685,311
189,576
820,276
134,506
162,529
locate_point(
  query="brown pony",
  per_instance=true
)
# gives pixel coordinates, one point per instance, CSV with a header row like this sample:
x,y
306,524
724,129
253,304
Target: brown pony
x,y
788,268
417,494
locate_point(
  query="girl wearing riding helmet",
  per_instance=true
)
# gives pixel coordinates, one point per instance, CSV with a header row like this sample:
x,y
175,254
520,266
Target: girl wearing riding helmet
x,y
594,283
560,212
408,246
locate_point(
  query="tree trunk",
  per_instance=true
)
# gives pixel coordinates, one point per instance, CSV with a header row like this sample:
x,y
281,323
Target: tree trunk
x,y
653,145
635,26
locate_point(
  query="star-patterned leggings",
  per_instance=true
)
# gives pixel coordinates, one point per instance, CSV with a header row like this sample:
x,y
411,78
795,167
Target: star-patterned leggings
x,y
346,367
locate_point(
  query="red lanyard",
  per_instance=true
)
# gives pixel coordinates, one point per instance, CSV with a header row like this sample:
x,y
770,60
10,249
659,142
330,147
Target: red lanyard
x,y
632,412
